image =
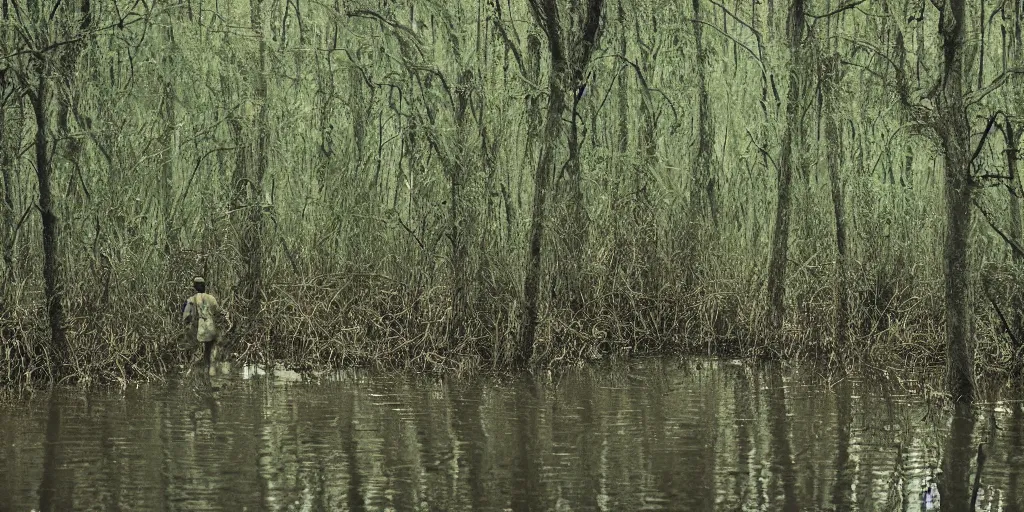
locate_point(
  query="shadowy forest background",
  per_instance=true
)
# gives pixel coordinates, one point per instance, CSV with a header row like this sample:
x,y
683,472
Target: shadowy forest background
x,y
462,184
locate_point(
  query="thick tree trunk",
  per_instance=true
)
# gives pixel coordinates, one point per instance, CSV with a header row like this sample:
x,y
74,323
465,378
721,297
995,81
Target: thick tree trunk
x,y
956,137
51,260
541,184
780,239
562,72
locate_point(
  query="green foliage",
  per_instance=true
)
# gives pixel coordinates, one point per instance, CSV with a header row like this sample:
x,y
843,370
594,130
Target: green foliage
x,y
373,113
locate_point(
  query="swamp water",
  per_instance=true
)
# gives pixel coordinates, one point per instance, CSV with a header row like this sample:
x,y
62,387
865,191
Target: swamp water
x,y
649,435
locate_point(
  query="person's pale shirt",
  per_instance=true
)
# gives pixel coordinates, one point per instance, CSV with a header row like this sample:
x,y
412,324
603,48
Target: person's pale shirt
x,y
201,311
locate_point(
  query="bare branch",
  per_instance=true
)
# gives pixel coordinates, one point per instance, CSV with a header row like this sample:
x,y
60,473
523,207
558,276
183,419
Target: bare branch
x,y
978,95
756,56
984,137
763,151
369,14
726,10
1014,246
38,53
837,10
500,26
1002,318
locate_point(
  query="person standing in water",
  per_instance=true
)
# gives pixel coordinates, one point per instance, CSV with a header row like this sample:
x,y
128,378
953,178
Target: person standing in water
x,y
203,314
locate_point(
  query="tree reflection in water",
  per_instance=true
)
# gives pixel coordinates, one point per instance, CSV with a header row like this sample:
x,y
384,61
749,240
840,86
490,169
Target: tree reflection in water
x,y
655,435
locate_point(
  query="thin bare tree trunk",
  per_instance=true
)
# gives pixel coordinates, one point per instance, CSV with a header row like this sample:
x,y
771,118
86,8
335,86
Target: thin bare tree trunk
x,y
51,260
572,245
1012,139
460,212
833,146
252,189
8,148
703,193
533,114
360,116
169,141
783,208
620,250
839,209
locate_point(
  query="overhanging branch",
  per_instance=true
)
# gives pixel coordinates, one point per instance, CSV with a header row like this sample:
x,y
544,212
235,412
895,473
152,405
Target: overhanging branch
x,y
979,94
837,10
1014,246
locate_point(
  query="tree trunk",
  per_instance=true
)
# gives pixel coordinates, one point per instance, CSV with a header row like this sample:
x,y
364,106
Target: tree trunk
x,y
621,260
780,239
460,212
51,260
541,183
169,141
360,116
646,234
839,209
533,113
954,131
8,148
254,237
571,246
1012,143
562,72
833,148
703,193
623,92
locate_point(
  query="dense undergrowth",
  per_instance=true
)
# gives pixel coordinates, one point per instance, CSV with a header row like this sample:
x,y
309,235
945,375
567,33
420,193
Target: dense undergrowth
x,y
126,328
371,187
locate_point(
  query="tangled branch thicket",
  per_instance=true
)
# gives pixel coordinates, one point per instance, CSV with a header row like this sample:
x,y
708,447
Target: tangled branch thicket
x,y
357,183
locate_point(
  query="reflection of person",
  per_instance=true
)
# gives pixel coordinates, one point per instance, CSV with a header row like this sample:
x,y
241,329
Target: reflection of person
x,y
202,314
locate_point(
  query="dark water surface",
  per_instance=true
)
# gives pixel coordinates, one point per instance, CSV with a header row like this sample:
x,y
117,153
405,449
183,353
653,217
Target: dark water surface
x,y
653,435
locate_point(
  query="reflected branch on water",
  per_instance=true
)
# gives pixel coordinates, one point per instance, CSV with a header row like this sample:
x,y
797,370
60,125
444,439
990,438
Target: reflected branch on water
x,y
1015,459
782,451
655,435
52,482
843,485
